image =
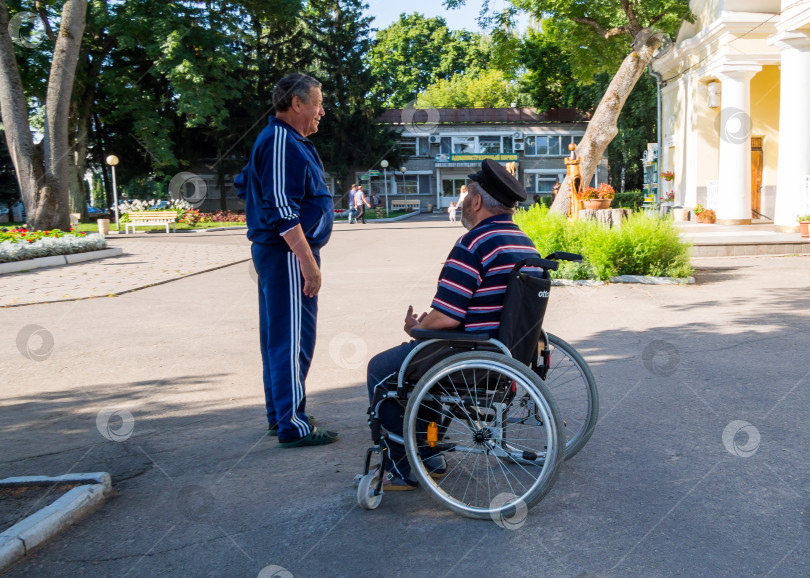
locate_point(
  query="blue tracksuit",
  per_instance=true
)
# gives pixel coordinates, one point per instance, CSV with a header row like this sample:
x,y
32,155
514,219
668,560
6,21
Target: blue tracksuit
x,y
283,185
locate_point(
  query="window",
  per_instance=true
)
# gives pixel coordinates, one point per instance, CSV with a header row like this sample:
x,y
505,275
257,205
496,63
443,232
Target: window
x,y
540,183
463,145
489,145
446,145
423,146
410,184
507,145
408,146
529,146
548,146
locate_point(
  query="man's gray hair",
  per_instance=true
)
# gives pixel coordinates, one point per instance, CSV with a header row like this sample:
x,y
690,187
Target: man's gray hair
x,y
491,204
290,86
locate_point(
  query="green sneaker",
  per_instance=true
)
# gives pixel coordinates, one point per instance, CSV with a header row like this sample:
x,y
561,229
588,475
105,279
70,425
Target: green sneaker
x,y
317,437
272,430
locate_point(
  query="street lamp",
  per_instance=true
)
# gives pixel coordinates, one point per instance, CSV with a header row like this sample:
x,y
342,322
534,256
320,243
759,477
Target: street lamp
x,y
403,170
384,165
112,160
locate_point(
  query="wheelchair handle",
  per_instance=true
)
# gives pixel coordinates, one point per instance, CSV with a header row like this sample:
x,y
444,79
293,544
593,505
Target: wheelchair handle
x,y
536,262
563,256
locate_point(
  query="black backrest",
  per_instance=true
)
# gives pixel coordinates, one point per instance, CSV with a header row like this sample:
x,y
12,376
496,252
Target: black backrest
x,y
524,307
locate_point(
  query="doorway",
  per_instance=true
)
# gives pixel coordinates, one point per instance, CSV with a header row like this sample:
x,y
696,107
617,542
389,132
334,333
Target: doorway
x,y
451,189
757,158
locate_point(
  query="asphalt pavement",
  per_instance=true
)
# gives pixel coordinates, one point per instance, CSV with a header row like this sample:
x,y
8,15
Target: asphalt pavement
x,y
698,466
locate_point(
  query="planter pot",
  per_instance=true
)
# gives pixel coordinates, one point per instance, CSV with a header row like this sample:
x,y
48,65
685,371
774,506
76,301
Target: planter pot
x,y
103,226
597,204
681,214
706,220
804,228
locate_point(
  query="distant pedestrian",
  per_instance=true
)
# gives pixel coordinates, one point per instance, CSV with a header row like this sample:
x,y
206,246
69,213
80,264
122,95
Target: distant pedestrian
x,y
360,204
375,199
537,200
462,194
351,211
451,210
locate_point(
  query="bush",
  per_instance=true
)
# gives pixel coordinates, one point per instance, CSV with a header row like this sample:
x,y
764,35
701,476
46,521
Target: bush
x,y
644,245
628,200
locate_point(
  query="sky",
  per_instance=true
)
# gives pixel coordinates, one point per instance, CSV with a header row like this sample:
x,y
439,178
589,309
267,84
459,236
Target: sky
x,y
386,12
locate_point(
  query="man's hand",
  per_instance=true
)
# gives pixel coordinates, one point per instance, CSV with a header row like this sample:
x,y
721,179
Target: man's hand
x,y
312,278
411,320
309,266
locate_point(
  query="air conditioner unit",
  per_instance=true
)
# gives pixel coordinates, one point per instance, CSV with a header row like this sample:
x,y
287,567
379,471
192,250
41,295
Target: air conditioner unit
x,y
434,139
517,135
517,146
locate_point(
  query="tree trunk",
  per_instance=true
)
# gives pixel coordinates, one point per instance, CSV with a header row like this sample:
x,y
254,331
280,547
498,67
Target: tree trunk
x,y
43,179
603,127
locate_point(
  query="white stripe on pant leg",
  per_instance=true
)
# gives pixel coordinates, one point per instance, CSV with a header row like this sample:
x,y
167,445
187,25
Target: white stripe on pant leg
x,y
293,329
299,307
295,343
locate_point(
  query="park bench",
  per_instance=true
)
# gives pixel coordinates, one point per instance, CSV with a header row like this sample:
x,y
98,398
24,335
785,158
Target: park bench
x,y
151,218
403,204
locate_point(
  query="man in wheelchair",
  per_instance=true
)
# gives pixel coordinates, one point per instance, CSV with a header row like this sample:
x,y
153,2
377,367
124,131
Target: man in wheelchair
x,y
469,297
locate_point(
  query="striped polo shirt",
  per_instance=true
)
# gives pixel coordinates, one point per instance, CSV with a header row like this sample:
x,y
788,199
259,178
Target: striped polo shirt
x,y
473,280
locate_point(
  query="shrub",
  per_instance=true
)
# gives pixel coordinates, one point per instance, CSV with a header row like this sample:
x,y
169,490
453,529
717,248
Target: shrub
x,y
628,200
644,245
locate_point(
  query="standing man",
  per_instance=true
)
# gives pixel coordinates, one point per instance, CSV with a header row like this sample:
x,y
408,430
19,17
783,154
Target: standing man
x,y
352,194
289,217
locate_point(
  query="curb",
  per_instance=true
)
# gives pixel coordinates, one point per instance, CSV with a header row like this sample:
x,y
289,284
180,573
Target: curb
x,y
16,542
58,260
638,279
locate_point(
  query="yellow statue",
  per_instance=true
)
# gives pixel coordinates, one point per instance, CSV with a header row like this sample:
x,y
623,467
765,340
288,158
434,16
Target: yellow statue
x,y
574,183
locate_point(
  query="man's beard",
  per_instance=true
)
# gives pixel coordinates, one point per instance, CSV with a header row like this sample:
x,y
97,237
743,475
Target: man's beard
x,y
465,217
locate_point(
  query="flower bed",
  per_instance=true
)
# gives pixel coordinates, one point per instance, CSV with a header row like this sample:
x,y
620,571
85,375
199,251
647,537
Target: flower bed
x,y
20,244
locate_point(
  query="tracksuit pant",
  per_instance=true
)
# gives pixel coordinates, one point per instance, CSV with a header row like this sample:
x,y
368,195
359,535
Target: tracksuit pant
x,y
287,324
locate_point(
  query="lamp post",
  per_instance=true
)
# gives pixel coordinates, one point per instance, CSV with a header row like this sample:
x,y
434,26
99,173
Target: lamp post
x,y
403,170
384,165
112,160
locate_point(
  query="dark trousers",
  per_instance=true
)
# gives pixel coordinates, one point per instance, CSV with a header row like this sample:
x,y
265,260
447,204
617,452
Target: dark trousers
x,y
287,325
361,214
382,368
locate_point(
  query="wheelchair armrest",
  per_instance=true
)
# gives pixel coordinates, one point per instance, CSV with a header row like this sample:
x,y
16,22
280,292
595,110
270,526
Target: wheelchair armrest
x,y
449,335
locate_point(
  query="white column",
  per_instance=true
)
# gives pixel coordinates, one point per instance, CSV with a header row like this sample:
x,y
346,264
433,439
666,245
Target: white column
x,y
735,145
794,129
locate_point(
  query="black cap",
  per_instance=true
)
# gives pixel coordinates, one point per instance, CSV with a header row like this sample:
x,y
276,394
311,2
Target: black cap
x,y
499,183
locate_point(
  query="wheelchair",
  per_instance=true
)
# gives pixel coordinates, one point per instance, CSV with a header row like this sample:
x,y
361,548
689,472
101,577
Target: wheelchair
x,y
489,407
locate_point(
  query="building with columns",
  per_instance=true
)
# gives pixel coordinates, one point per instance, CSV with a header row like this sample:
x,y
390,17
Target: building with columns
x,y
736,110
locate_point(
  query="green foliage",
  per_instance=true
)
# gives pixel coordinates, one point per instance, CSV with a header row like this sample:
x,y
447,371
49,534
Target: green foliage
x,y
490,88
628,200
415,52
644,245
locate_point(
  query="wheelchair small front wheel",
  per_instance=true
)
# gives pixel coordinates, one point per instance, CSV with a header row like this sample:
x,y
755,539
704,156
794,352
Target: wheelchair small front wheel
x,y
367,496
498,429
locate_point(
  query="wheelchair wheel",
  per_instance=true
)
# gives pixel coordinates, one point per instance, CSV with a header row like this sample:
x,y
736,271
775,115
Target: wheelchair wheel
x,y
496,426
570,381
367,496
